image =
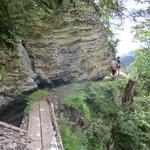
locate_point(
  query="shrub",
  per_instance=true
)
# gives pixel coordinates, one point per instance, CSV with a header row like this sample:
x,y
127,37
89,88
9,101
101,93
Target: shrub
x,y
78,101
98,135
72,140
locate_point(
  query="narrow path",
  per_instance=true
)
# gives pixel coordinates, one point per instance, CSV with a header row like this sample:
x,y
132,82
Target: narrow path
x,y
42,129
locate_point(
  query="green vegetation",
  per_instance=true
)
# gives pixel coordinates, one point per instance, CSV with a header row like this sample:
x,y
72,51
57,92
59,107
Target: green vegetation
x,y
35,96
105,122
112,10
141,69
93,93
38,95
110,124
77,101
16,21
72,141
17,17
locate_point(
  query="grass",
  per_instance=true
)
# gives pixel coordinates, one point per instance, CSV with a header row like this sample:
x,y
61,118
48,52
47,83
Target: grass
x,y
35,96
97,102
77,101
38,95
96,96
72,140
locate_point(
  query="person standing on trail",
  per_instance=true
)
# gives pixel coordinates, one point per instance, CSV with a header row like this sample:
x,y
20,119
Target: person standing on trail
x,y
114,67
118,65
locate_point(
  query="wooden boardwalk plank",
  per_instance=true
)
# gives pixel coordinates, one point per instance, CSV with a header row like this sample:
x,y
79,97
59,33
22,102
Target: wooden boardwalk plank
x,y
34,129
41,133
46,125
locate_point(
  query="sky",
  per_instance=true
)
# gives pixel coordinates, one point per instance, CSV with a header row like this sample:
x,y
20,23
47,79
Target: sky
x,y
126,36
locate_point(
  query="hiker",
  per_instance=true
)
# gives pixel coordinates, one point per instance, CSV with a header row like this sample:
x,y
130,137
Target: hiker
x,y
119,65
114,67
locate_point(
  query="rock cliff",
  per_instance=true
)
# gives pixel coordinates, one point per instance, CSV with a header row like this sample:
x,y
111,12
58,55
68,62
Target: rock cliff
x,y
72,48
69,46
16,79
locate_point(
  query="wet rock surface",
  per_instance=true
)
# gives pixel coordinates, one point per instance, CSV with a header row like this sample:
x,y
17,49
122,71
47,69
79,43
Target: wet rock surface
x,y
18,81
4,101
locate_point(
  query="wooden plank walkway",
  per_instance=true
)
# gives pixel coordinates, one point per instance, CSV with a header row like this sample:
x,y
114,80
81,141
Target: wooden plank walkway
x,y
41,133
34,128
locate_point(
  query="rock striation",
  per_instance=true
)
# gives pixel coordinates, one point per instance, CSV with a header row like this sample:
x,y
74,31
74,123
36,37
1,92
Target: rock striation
x,y
17,81
74,47
69,46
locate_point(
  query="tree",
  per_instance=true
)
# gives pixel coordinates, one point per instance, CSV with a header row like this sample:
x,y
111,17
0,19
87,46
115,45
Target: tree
x,y
142,35
15,18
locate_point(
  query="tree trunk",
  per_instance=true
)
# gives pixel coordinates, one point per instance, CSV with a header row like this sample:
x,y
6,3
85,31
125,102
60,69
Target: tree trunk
x,y
129,91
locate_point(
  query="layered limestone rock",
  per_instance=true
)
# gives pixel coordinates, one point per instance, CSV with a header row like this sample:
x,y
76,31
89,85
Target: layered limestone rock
x,y
73,47
69,46
18,80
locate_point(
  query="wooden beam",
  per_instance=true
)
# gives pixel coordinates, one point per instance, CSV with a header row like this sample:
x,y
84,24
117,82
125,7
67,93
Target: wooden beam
x,y
34,128
46,125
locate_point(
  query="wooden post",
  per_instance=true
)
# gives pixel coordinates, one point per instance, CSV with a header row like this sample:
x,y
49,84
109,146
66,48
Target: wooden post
x,y
129,91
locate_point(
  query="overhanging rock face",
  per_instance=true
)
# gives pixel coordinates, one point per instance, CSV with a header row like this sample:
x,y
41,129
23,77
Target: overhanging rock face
x,y
71,48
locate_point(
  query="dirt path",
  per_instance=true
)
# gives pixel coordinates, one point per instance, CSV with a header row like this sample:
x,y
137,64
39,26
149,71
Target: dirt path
x,y
60,92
